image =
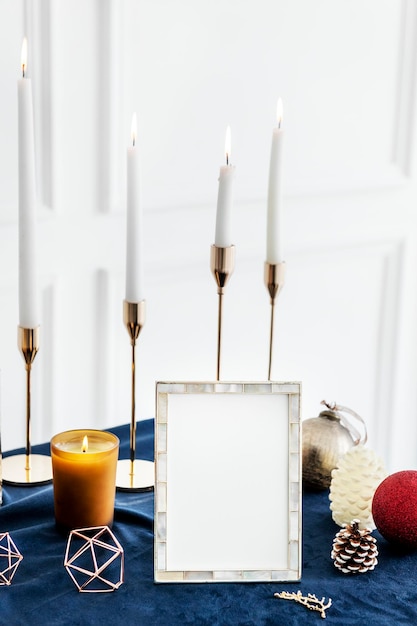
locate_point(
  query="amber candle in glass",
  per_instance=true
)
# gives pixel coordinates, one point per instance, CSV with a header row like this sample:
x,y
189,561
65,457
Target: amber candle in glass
x,y
84,477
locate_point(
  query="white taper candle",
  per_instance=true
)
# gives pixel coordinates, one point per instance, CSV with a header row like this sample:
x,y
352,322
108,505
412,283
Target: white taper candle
x,y
223,234
134,240
28,288
274,236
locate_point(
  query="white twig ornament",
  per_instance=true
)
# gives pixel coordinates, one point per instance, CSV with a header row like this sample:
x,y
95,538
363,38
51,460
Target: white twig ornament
x,y
310,601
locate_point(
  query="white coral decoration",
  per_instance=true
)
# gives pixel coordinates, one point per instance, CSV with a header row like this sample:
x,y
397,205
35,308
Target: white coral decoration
x,y
353,484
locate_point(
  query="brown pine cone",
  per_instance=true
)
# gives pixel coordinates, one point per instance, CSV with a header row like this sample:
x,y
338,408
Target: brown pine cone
x,y
354,550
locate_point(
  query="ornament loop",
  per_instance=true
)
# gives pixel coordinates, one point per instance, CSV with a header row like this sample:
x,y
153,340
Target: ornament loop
x,y
339,410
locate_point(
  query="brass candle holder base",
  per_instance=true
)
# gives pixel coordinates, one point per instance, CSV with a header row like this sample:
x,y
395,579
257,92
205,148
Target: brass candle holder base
x,y
133,474
274,276
27,469
137,475
222,264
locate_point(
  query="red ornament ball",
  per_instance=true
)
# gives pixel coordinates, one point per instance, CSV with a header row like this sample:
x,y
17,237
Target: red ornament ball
x,y
394,508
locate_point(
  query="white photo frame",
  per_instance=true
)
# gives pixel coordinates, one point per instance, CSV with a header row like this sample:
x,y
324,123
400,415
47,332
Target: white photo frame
x,y
228,482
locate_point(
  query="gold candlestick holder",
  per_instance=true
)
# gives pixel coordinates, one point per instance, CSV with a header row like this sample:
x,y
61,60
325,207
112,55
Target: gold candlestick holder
x,y
274,275
222,264
134,474
28,469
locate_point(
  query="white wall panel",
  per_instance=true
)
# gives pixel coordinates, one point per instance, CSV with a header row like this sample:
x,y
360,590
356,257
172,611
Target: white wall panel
x,y
345,320
406,88
11,34
37,28
199,68
13,371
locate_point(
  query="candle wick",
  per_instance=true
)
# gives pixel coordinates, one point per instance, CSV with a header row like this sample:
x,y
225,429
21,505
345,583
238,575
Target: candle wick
x,y
23,70
227,159
133,141
279,123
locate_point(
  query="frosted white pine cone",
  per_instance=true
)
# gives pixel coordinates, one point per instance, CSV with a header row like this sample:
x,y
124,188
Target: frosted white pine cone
x,y
354,551
353,484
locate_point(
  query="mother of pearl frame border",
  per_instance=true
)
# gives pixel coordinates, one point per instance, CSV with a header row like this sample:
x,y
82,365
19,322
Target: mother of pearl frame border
x,y
289,509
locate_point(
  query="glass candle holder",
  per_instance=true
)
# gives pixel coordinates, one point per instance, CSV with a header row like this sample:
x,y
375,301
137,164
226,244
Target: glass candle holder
x,y
84,477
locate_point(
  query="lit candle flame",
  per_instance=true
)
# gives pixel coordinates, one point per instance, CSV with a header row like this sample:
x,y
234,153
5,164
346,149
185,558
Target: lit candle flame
x,y
134,129
24,56
280,111
228,145
84,447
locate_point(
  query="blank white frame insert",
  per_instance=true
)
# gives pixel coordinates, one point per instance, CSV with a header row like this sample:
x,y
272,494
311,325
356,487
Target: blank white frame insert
x,y
228,482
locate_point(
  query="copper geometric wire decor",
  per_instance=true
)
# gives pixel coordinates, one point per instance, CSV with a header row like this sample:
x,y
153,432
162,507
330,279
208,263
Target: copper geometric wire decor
x,y
12,556
94,559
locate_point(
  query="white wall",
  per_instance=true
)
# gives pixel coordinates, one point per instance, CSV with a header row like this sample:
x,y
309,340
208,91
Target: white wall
x,y
346,318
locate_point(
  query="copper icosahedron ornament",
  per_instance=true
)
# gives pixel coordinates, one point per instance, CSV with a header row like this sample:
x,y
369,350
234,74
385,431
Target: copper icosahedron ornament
x,y
10,558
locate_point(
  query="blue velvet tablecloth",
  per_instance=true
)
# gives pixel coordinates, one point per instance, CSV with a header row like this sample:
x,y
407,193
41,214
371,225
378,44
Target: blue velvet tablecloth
x,y
43,593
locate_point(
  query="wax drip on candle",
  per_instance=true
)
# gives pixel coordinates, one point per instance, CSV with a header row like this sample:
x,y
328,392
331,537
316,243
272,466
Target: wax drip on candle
x,y
280,111
24,56
134,129
228,144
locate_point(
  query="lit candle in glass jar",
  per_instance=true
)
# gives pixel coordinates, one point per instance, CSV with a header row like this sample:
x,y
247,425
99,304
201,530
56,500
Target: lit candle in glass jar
x,y
84,477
